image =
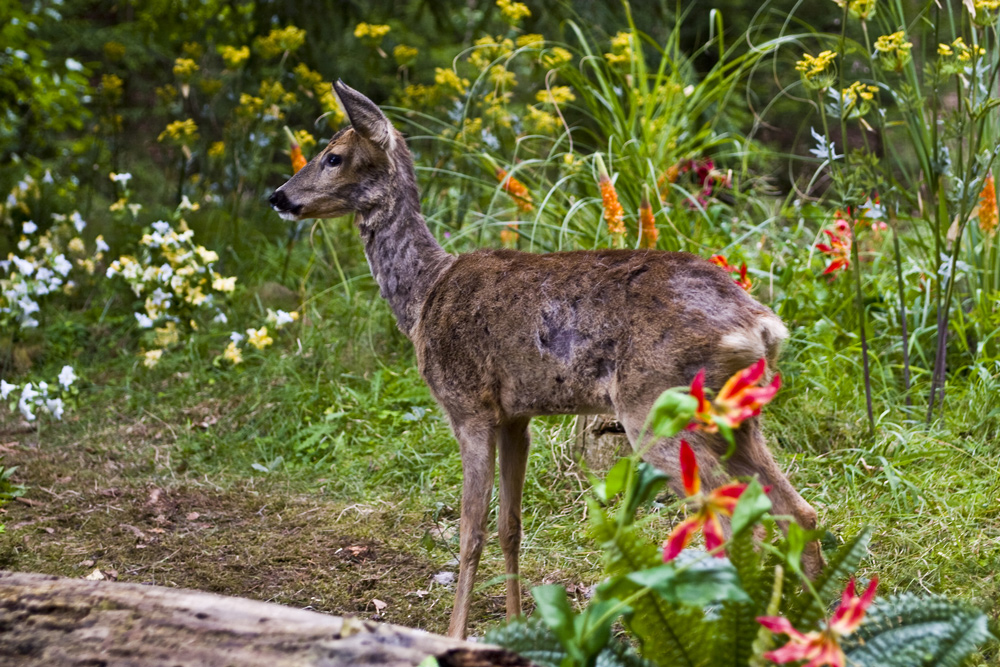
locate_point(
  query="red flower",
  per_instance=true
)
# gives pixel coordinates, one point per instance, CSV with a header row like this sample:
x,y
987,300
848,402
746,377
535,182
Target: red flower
x,y
821,647
721,501
743,281
738,400
839,248
298,159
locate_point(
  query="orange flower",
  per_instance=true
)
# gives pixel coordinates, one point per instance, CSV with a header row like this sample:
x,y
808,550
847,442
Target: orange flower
x,y
988,207
821,647
738,400
647,222
839,248
508,235
613,213
720,260
517,190
298,159
721,501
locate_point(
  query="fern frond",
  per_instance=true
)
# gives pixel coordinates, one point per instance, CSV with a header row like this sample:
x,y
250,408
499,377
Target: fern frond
x,y
910,631
668,634
807,610
737,626
531,639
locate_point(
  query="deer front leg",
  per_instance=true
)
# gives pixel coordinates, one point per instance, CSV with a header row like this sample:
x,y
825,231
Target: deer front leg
x,y
513,445
477,443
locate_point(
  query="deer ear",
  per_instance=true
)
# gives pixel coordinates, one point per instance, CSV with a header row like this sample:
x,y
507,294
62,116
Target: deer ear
x,y
365,116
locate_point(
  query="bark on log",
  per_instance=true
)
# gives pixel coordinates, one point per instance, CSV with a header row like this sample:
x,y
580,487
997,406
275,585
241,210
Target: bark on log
x,y
56,622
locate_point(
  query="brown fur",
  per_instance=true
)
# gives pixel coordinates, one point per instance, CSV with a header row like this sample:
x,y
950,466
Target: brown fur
x,y
502,336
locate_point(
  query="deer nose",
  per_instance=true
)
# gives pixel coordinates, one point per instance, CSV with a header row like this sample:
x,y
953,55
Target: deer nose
x,y
279,201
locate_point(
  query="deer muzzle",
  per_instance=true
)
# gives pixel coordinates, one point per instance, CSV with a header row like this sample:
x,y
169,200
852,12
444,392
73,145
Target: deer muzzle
x,y
283,205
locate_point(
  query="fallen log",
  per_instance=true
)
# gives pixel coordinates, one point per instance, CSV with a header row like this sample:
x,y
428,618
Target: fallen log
x,y
57,622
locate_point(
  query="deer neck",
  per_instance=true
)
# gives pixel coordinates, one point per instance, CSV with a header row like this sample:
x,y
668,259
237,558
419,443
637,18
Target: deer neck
x,y
404,257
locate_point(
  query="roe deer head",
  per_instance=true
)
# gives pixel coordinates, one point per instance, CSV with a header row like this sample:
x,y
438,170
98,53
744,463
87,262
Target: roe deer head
x,y
502,336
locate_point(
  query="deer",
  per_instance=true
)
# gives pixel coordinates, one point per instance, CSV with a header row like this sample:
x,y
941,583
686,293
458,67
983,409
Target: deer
x,y
502,336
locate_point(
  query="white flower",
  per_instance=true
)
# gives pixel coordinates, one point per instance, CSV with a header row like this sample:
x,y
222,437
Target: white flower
x,y
159,297
26,410
55,407
44,388
23,266
161,227
30,227
145,322
823,150
5,265
28,394
48,177
186,204
77,221
73,65
236,337
135,208
6,388
280,318
62,265
121,178
44,273
221,318
23,244
166,272
66,376
28,305
29,323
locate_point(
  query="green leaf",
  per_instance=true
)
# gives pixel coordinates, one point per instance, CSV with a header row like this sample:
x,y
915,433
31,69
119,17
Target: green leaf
x,y
593,626
553,607
614,481
648,481
698,584
671,412
753,505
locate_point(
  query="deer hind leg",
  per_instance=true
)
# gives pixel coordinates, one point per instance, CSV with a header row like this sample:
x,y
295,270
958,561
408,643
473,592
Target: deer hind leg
x,y
752,458
477,441
512,445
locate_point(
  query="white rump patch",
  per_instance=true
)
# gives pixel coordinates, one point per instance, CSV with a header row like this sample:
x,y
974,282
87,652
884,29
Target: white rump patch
x,y
746,346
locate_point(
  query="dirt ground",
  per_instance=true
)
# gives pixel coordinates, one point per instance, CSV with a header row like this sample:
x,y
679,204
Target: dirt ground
x,y
109,505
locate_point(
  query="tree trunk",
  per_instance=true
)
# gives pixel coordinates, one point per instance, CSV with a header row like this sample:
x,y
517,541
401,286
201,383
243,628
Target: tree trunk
x,y
56,622
600,442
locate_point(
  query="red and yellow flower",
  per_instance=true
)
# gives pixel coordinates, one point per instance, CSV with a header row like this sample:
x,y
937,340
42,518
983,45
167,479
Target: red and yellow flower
x,y
821,647
743,280
517,190
738,400
839,248
721,501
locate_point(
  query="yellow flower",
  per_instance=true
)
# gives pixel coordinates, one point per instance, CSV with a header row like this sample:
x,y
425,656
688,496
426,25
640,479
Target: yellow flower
x,y
151,358
193,50
114,51
233,354
857,99
259,338
371,33
621,49
893,51
180,131
513,12
541,122
76,246
530,40
488,49
984,12
404,55
217,149
448,79
309,79
221,284
502,77
166,94
817,73
556,95
111,88
234,56
280,41
185,68
556,57
332,111
167,335
944,50
118,205
859,9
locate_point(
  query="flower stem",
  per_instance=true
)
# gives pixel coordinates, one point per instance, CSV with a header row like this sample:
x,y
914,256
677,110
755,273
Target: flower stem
x,y
862,326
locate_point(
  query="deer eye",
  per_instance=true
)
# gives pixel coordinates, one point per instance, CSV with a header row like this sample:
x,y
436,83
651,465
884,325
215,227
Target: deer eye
x,y
332,160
